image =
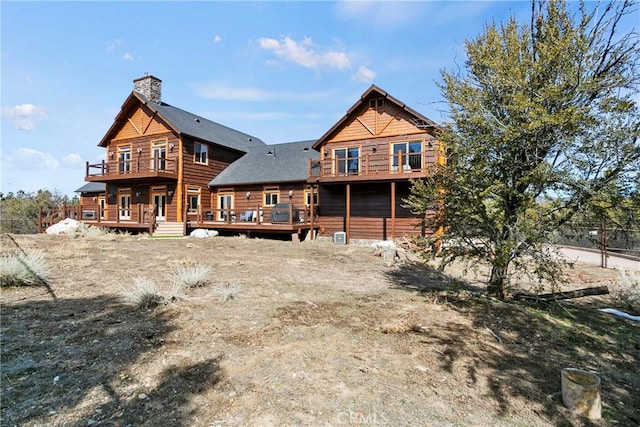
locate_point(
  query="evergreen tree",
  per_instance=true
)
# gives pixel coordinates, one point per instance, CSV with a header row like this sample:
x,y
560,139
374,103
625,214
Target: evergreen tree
x,y
543,120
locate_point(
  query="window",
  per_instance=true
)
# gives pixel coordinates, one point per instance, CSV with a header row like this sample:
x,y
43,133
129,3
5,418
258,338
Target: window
x,y
158,155
377,102
193,199
200,155
124,158
271,195
409,154
346,161
124,203
307,196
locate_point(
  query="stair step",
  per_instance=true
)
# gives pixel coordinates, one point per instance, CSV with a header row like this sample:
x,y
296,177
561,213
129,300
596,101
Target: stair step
x,y
169,229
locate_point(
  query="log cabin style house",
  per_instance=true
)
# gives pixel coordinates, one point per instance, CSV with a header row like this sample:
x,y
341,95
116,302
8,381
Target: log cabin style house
x,y
167,171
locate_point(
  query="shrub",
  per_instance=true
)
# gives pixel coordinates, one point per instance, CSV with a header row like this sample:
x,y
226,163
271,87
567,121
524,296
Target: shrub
x,y
191,276
21,270
626,289
144,294
227,291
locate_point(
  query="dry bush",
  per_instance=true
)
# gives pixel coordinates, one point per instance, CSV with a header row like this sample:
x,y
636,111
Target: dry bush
x,y
191,276
227,291
20,270
144,294
401,325
626,290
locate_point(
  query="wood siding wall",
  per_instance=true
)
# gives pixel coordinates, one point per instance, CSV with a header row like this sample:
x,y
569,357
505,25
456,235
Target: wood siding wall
x,y
141,121
242,204
370,211
199,175
386,121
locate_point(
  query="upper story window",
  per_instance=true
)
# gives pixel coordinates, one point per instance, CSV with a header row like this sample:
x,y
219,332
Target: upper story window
x,y
407,154
124,158
200,153
271,195
376,103
158,155
347,160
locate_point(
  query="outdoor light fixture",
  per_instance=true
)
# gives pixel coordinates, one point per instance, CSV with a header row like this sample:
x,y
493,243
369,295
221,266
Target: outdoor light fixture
x,y
171,147
139,150
248,194
290,193
170,192
138,194
375,147
111,154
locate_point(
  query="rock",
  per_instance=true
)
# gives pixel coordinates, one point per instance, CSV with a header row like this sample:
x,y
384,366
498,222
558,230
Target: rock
x,y
202,233
142,396
65,226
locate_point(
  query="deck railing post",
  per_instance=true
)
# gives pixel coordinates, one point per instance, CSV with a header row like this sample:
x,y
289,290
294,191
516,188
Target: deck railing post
x,y
290,213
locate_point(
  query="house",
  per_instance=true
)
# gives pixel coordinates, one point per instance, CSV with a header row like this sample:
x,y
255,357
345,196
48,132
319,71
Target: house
x,y
167,170
367,160
158,162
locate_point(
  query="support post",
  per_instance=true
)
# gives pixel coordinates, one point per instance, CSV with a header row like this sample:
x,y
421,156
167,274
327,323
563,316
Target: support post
x,y
393,209
348,218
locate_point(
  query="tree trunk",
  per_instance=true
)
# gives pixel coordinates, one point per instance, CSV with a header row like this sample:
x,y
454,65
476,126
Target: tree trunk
x,y
497,286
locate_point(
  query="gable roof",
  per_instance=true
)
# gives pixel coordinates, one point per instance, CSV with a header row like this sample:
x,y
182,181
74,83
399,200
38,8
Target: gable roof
x,y
374,91
187,124
269,164
92,187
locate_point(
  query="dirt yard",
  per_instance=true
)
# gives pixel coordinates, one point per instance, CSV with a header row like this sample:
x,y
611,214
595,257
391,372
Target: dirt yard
x,y
315,334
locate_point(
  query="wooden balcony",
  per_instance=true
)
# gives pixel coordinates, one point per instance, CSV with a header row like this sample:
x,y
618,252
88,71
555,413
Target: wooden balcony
x,y
132,170
371,167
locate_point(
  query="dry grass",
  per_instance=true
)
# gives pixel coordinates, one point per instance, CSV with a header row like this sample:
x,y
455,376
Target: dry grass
x,y
329,336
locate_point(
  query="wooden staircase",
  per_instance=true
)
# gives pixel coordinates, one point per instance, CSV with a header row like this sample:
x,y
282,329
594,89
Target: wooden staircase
x,y
169,229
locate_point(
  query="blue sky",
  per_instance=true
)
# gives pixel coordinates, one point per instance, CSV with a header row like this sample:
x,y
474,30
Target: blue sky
x,y
281,71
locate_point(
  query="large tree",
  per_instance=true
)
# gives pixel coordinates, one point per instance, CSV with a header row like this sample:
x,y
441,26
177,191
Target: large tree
x,y
543,118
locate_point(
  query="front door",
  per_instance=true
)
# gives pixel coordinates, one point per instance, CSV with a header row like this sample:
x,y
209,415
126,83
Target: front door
x,y
159,202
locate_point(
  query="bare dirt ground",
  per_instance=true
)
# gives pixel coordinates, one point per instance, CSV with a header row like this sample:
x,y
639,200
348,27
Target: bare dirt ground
x,y
318,334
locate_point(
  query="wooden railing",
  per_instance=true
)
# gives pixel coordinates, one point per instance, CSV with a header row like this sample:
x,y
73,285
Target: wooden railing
x,y
371,164
259,215
140,166
50,216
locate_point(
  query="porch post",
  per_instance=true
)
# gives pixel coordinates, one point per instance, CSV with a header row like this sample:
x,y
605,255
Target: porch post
x,y
393,209
348,219
311,214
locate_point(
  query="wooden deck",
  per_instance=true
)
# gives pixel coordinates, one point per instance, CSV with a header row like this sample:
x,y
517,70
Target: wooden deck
x,y
371,167
254,228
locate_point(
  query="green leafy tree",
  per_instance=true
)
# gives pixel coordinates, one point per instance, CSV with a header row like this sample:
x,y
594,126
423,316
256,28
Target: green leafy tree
x,y
19,211
543,119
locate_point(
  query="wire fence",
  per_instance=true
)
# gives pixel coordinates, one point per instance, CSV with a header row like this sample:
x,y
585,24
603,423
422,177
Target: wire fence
x,y
602,237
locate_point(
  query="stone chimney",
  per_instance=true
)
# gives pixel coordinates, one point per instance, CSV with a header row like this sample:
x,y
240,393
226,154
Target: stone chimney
x,y
149,86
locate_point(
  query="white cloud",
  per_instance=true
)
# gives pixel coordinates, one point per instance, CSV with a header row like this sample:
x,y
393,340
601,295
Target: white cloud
x,y
112,45
217,39
72,160
31,159
230,93
303,53
24,116
364,74
127,56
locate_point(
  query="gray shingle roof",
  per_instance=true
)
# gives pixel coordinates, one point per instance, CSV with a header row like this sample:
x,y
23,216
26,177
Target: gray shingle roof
x,y
198,127
92,187
269,164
